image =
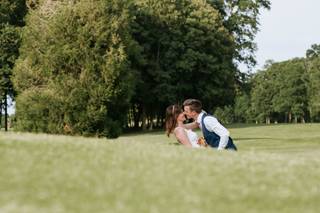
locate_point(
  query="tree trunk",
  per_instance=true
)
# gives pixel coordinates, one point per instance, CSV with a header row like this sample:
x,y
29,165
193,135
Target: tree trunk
x,y
136,116
144,119
303,120
311,117
268,120
0,114
157,121
130,119
151,123
285,117
289,117
5,112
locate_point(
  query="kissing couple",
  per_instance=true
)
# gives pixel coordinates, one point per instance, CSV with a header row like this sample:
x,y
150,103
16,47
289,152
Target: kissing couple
x,y
214,134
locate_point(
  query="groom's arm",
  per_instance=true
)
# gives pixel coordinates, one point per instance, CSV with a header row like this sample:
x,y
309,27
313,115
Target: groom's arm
x,y
213,125
192,125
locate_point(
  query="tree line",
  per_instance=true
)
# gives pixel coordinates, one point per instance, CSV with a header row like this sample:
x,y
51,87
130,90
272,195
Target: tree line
x,y
99,67
286,92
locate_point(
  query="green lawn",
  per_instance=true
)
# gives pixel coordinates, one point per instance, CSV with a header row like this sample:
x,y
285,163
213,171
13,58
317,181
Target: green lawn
x,y
277,169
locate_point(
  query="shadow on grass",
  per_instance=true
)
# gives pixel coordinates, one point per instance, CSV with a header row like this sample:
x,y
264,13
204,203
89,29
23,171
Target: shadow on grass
x,y
156,132
251,125
175,144
146,132
247,139
162,131
240,125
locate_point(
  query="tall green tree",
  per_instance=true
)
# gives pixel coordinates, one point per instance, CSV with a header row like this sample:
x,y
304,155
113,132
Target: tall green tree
x,y
10,41
12,13
281,89
242,108
186,52
241,18
74,75
82,63
291,83
313,69
262,95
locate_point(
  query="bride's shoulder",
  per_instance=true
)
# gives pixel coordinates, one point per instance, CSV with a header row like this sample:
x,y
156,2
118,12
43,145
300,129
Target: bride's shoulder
x,y
178,129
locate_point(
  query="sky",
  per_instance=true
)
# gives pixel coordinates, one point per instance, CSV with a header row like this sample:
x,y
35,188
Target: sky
x,y
287,30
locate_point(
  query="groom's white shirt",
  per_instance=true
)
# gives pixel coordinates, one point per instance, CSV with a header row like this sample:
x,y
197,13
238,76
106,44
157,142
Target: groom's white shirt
x,y
213,125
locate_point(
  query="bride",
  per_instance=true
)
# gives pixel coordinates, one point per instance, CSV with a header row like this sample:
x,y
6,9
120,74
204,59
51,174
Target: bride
x,y
174,124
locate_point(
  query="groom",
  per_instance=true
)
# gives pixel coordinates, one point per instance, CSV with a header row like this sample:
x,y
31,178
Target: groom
x,y
215,134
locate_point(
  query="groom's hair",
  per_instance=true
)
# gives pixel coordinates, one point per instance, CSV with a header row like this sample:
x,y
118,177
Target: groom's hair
x,y
194,104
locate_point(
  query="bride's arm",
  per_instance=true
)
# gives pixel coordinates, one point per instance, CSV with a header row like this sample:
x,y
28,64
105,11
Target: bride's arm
x,y
192,125
182,137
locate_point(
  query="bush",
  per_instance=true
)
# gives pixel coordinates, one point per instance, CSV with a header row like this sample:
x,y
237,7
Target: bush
x,y
39,110
74,68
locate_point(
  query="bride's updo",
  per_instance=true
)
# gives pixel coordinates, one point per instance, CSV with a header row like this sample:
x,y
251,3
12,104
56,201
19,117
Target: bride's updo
x,y
172,113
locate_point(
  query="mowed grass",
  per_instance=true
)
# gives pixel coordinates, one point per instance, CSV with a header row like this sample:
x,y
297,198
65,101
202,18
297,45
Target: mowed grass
x,y
275,170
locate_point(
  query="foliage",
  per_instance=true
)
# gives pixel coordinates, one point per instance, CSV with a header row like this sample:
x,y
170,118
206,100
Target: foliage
x,y
291,84
102,57
262,95
77,51
242,109
225,114
12,13
314,51
241,18
11,18
186,52
10,42
39,110
282,89
313,68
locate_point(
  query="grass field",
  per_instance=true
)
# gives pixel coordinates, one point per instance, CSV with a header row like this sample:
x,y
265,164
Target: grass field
x,y
277,169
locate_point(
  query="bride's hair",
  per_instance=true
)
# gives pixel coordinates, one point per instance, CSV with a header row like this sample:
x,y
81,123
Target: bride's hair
x,y
172,113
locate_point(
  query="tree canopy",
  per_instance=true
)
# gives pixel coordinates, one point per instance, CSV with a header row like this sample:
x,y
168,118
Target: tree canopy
x,y
96,67
73,74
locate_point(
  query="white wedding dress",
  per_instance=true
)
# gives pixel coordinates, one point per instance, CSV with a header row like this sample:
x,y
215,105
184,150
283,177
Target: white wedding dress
x,y
193,138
